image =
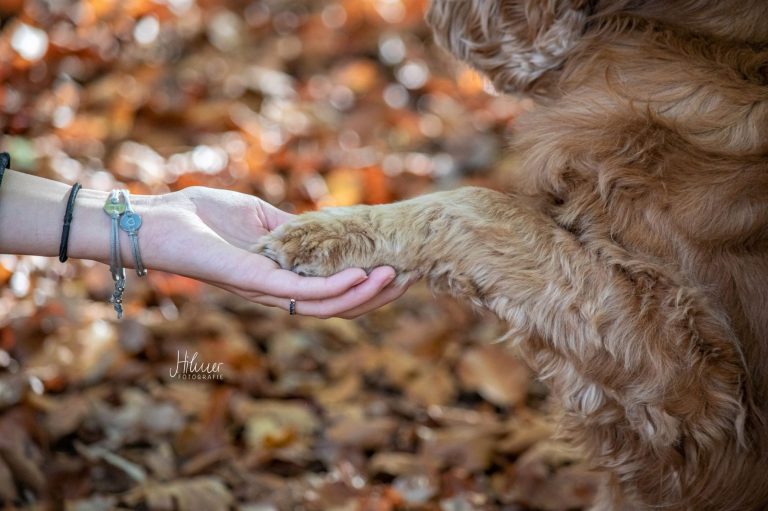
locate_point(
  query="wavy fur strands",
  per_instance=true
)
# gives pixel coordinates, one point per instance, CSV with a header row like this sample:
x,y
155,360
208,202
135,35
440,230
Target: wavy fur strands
x,y
631,261
513,43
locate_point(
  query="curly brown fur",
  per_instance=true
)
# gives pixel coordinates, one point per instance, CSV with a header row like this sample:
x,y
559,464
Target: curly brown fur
x,y
631,261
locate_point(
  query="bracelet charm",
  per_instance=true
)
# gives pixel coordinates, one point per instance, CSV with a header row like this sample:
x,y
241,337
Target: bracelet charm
x,y
130,222
119,209
114,207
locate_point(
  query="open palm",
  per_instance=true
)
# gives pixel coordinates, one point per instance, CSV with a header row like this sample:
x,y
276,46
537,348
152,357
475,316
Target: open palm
x,y
206,234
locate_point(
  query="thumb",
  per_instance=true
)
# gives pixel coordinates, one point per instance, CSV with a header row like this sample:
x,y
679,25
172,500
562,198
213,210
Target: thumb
x,y
274,217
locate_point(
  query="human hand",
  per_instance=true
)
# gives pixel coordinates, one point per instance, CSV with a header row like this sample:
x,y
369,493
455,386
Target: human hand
x,y
207,234
198,232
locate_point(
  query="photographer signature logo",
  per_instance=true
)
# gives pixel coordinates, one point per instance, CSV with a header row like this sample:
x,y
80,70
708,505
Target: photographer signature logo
x,y
189,368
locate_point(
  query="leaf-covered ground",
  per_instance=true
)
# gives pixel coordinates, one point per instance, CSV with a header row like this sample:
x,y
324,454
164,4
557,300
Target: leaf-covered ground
x,y
307,104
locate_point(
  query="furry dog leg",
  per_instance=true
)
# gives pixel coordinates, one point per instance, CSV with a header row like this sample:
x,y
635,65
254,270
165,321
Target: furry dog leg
x,y
649,374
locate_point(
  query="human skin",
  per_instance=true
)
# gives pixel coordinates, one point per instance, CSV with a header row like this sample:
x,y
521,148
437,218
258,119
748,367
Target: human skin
x,y
198,232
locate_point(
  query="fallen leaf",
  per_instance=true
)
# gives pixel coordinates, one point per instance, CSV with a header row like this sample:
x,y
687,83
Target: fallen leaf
x,y
7,485
20,454
197,494
272,424
470,448
398,463
362,432
432,386
494,373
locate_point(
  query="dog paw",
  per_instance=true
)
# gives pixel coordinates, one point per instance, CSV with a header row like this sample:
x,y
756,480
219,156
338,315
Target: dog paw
x,y
320,244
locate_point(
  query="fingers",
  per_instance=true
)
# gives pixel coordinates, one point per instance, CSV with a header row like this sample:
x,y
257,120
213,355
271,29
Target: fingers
x,y
250,274
286,284
347,294
272,216
361,294
388,294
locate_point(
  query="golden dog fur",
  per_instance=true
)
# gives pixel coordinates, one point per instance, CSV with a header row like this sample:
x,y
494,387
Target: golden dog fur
x,y
631,260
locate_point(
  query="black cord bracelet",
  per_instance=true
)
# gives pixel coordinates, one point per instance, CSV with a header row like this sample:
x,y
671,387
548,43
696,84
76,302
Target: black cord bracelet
x,y
5,162
67,221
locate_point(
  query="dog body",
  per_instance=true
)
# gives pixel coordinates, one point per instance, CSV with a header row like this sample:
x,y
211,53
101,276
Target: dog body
x,y
631,259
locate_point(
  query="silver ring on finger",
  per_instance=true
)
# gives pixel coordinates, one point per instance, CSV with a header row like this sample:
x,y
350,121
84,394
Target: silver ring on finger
x,y
292,307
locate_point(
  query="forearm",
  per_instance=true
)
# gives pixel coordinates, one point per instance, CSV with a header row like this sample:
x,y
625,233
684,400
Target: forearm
x,y
32,213
198,232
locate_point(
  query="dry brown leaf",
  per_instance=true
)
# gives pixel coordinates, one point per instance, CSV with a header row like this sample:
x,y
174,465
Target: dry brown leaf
x,y
548,477
524,432
161,462
19,452
398,463
362,432
432,386
345,389
496,374
137,416
197,494
449,416
397,365
95,503
7,485
94,453
469,448
82,355
272,423
424,338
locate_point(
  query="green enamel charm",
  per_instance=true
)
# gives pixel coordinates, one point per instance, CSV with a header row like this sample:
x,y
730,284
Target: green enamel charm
x,y
114,208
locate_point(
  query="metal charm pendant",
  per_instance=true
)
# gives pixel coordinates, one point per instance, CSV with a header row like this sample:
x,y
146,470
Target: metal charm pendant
x,y
117,297
130,222
122,215
113,207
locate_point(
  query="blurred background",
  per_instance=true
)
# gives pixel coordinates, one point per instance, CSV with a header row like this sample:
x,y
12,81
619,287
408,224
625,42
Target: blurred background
x,y
307,104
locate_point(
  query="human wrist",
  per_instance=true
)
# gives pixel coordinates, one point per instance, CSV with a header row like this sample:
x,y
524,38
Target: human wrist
x,y
90,232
